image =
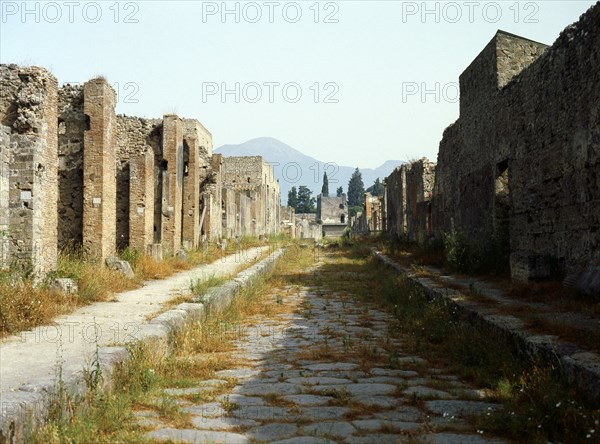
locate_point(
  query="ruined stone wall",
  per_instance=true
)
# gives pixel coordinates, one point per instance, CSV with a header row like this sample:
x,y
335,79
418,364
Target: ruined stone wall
x,y
521,163
288,221
197,151
141,201
99,164
72,124
420,177
135,137
332,209
172,189
307,227
213,200
253,173
28,113
395,202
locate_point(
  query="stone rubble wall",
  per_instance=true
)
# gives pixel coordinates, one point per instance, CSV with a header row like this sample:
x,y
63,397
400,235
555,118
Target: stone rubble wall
x,y
71,127
258,196
520,167
28,115
74,175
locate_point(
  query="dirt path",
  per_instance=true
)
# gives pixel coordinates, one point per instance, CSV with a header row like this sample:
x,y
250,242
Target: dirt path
x,y
29,361
325,369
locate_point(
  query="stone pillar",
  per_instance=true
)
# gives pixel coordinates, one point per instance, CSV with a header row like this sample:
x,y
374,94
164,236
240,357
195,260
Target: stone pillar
x,y
172,183
99,160
141,201
191,195
29,185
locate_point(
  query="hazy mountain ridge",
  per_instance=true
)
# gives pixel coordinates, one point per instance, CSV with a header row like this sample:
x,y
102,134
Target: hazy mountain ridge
x,y
293,168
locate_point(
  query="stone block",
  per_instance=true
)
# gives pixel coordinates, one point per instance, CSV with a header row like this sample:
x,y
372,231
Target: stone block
x,y
120,265
64,285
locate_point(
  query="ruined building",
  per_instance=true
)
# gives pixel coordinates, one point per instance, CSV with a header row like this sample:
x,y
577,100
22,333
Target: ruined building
x,y
332,214
521,165
76,175
251,197
407,201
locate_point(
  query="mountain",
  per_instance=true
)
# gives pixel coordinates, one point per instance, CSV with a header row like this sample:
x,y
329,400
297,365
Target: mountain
x,y
292,168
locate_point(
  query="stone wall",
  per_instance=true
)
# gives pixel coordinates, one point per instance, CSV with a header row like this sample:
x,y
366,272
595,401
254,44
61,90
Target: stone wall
x,y
74,175
307,227
406,207
332,209
254,177
520,166
71,127
28,114
135,137
172,183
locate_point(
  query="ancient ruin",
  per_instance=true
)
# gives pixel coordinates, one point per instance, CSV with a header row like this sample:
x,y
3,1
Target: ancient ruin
x,y
519,169
76,175
332,214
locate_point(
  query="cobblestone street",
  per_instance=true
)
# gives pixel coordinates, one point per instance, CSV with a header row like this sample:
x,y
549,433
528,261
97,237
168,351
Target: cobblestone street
x,y
324,369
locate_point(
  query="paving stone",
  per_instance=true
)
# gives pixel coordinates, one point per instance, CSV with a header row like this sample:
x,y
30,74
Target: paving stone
x,y
237,399
323,413
334,429
207,410
318,380
373,425
197,436
383,380
262,389
377,439
187,391
377,401
212,382
453,438
401,414
332,366
393,372
222,423
426,392
239,373
263,413
461,408
370,389
307,400
305,440
272,432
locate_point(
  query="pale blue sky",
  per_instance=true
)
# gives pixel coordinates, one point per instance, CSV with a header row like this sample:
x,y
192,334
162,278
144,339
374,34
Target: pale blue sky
x,y
176,50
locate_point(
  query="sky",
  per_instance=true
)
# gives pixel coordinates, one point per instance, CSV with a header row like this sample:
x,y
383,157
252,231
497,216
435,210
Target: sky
x,y
351,82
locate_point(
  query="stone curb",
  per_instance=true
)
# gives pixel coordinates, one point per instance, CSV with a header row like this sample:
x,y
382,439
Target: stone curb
x,y
580,366
29,406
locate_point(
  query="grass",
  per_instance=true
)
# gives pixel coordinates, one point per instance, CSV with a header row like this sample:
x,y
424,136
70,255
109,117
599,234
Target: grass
x,y
197,352
540,404
24,305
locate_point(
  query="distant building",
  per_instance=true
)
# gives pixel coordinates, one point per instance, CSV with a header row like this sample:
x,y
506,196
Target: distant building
x,y
332,213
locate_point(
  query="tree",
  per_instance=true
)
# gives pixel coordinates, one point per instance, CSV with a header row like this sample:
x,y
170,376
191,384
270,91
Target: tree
x,y
325,188
293,198
306,204
356,189
377,189
339,192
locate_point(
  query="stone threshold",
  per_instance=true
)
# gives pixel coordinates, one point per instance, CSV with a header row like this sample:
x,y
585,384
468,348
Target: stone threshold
x,y
28,407
580,366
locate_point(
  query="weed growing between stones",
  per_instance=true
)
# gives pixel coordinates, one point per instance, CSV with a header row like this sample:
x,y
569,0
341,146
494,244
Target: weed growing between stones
x,y
540,405
193,354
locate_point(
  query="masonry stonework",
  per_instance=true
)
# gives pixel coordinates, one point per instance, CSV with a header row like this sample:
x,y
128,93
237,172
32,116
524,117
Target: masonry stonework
x,y
141,201
29,186
519,170
172,183
71,128
99,161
